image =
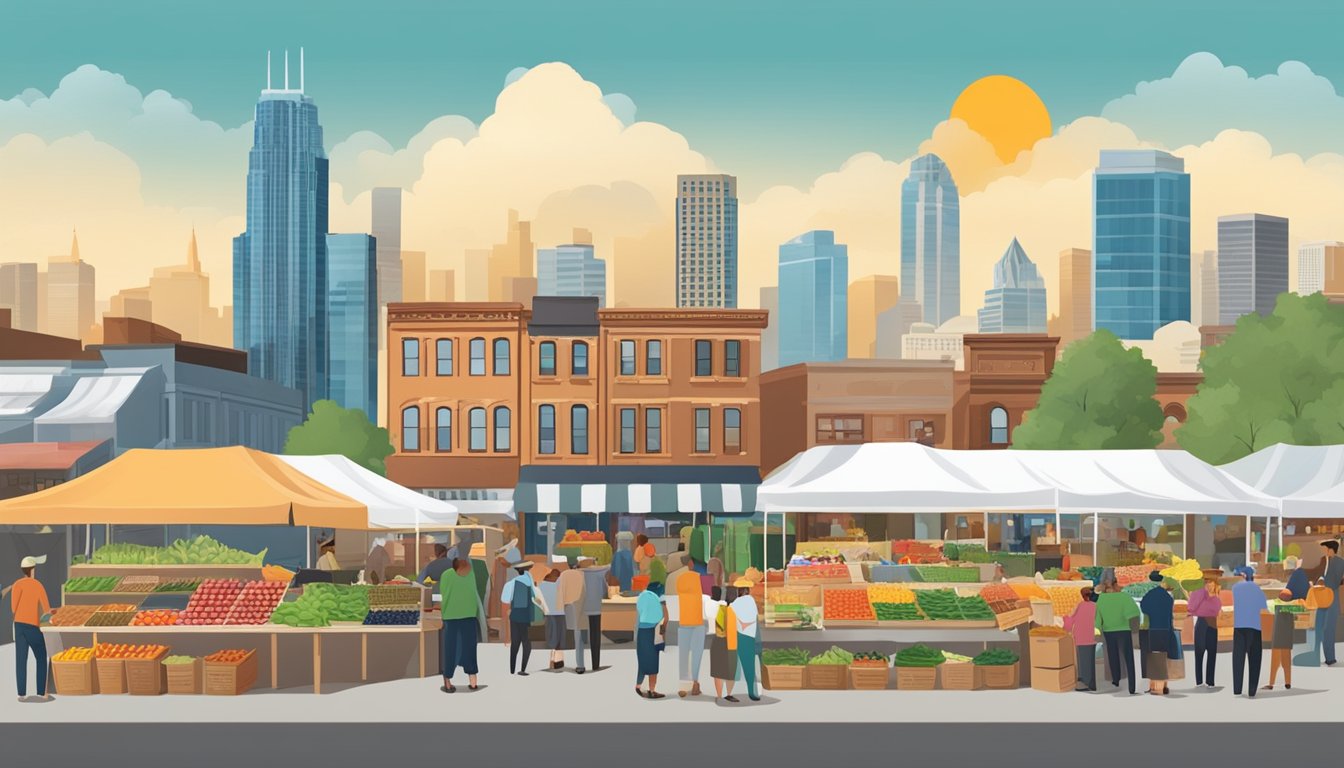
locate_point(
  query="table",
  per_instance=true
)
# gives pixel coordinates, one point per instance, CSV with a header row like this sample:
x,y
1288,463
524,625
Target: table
x,y
618,614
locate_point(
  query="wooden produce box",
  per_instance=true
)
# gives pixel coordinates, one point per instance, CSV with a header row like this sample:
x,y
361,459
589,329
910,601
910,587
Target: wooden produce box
x,y
869,678
1052,652
111,675
1013,618
146,677
220,679
1050,680
916,678
183,678
1001,677
826,677
960,677
781,678
74,678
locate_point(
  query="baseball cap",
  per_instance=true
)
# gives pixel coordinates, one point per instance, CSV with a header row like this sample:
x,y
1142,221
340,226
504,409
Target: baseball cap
x,y
30,561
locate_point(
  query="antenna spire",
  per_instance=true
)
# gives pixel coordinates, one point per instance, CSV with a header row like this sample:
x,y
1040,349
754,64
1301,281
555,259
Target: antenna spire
x,y
300,69
268,70
286,69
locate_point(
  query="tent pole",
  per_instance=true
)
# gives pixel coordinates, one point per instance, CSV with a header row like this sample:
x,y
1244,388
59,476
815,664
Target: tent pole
x,y
1096,538
1248,541
308,546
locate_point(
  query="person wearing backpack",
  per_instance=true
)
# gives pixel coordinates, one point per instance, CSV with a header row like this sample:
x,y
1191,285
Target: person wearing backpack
x,y
519,596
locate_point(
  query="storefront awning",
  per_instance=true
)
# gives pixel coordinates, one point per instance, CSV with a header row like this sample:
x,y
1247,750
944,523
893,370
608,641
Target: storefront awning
x,y
637,490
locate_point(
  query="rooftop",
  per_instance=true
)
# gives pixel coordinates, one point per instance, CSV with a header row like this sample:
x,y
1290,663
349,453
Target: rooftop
x,y
55,456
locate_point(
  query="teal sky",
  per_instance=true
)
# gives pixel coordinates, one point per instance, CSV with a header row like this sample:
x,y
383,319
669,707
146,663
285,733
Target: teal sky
x,y
746,82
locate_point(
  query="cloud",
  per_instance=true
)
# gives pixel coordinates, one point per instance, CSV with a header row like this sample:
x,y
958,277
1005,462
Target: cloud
x,y
366,160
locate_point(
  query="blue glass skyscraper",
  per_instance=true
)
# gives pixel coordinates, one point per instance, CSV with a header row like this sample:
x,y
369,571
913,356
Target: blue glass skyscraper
x,y
1016,303
352,311
571,270
814,298
931,240
280,262
1140,242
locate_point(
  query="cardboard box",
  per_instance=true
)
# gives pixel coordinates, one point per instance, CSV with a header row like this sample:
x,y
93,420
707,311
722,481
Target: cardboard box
x,y
1062,680
1052,652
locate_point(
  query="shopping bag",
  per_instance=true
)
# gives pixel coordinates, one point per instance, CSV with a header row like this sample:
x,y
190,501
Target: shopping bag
x,y
1175,669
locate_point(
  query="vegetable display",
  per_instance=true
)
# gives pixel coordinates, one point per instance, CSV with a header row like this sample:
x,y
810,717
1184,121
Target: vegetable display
x,y
383,617
870,659
835,655
939,604
179,660
943,574
179,585
998,592
996,657
897,612
1092,573
974,609
957,658
92,584
137,584
784,657
201,550
389,595
1138,590
321,604
918,655
112,615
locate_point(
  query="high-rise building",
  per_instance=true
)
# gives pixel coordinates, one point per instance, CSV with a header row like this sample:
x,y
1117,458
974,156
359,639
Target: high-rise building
x,y
707,241
894,324
1016,303
1208,290
69,300
571,270
280,262
132,302
386,230
18,294
1333,277
476,265
412,275
180,297
814,285
1311,260
1075,295
869,297
1140,242
352,310
931,240
770,334
442,286
511,259
1252,264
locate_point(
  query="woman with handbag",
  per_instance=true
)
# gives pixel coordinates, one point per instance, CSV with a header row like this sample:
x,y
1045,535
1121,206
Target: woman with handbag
x,y
723,648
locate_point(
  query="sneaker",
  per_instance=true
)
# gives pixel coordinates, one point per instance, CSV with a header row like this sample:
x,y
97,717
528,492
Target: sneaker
x,y
731,699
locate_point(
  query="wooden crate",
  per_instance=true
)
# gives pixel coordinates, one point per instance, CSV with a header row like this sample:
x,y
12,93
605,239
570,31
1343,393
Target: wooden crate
x,y
872,678
183,678
826,677
147,677
780,678
111,675
220,679
916,678
1001,677
960,677
74,678
1013,618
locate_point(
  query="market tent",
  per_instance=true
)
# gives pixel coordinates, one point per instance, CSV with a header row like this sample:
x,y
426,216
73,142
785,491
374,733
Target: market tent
x,y
1307,480
641,489
220,486
391,506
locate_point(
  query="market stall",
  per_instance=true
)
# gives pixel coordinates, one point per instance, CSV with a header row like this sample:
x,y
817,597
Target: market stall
x,y
1307,484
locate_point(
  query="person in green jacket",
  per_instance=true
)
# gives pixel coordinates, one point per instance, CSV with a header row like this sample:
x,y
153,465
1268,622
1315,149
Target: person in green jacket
x,y
1116,614
459,604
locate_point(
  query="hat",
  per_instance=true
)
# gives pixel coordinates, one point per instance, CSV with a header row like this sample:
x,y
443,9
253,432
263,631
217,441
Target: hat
x,y
525,565
510,553
32,562
330,541
1245,571
743,584
1155,576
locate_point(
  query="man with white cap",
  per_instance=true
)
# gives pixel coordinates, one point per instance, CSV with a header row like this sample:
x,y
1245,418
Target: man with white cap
x,y
29,603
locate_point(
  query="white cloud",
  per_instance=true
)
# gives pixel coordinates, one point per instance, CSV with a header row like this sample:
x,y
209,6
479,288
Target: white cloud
x,y
366,160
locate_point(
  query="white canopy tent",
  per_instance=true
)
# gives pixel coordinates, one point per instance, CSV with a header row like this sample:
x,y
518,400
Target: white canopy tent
x,y
1306,480
391,506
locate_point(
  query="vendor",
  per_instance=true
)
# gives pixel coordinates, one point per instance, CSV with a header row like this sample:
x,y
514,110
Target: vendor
x,y
326,559
434,569
375,566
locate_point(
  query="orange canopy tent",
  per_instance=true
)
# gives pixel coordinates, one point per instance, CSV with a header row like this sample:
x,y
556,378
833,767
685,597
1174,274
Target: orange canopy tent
x,y
205,486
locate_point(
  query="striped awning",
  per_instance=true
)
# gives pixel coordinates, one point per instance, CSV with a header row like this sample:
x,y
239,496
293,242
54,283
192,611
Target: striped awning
x,y
551,490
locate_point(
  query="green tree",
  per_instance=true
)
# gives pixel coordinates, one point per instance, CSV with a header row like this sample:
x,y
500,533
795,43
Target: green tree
x,y
346,431
1275,379
1100,395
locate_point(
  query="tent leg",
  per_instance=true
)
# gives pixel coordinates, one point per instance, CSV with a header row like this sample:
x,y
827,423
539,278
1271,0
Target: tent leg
x,y
308,547
1096,538
1248,541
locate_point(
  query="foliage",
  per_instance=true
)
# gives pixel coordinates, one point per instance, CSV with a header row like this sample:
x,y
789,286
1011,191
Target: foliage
x,y
345,431
1100,395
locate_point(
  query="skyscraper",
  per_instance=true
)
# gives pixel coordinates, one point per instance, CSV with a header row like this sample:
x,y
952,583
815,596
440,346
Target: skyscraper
x,y
1208,289
770,335
442,286
180,299
894,324
1252,264
69,300
510,260
707,241
18,294
869,297
412,275
814,285
931,240
1333,278
352,310
1140,242
1311,260
386,232
571,270
280,262
1016,303
1075,295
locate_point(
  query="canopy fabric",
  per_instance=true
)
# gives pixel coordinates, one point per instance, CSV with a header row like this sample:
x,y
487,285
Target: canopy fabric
x,y
390,506
220,486
95,398
638,490
1307,480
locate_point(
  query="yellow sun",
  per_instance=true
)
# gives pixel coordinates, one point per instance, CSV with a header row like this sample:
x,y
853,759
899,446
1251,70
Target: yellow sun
x,y
1006,111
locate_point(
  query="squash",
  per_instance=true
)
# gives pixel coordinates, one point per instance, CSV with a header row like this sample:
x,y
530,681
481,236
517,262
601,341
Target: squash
x,y
1319,597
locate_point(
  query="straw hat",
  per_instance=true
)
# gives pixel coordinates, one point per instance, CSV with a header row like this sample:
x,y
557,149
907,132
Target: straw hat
x,y
33,562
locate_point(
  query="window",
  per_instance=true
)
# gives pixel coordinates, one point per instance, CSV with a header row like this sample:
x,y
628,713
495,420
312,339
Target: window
x,y
578,365
732,430
704,357
502,430
732,358
410,357
998,426
410,429
547,365
627,430
476,422
545,430
578,430
702,430
653,357
653,431
839,429
627,358
443,357
477,357
443,430
501,357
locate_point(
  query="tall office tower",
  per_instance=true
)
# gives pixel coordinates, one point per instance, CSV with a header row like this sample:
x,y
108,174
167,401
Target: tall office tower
x,y
413,276
352,310
770,335
1016,303
931,240
1140,242
814,285
1333,278
511,259
476,285
894,324
442,286
180,298
869,297
386,230
1075,295
18,294
1252,264
280,262
1208,289
707,241
134,303
69,299
571,270
1311,260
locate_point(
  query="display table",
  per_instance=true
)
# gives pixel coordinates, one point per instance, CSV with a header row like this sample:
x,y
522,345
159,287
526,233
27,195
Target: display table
x,y
599,551
618,614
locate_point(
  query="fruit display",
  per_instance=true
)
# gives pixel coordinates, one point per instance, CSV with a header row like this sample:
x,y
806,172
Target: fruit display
x,y
1065,599
124,651
74,653
918,655
847,605
576,537
916,552
1132,574
1048,632
1014,563
819,572
939,604
996,657
792,595
72,615
393,595
231,656
1029,591
92,584
946,574
171,660
834,656
871,659
321,604
211,601
392,617
890,593
137,584
178,585
162,618
897,612
201,550
256,602
1139,589
277,573
112,615
784,657
974,608
999,593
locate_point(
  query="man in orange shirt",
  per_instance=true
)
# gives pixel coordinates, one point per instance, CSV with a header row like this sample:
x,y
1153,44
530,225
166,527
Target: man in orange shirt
x,y
29,603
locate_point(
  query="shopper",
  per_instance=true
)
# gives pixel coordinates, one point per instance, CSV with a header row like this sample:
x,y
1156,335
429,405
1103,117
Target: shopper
x,y
1248,602
623,561
1158,606
571,588
1204,607
1281,644
1298,583
594,592
1083,625
644,554
691,628
651,620
555,618
377,561
746,612
723,646
434,569
29,603
460,606
1116,616
1327,619
520,595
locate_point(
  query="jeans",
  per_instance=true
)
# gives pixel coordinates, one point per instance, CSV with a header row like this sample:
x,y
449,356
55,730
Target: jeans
x,y
690,649
1120,648
746,661
1246,647
1206,644
1086,656
459,646
582,637
1327,620
518,639
29,638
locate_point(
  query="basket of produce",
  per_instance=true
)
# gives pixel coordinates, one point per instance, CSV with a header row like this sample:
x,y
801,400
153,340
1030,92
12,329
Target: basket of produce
x,y
256,602
898,612
393,616
178,585
211,602
145,675
1065,600
110,662
869,672
847,606
72,615
156,618
112,615
229,673
92,584
820,573
917,667
137,584
392,595
322,605
782,668
72,671
999,668
183,674
829,671
958,673
974,608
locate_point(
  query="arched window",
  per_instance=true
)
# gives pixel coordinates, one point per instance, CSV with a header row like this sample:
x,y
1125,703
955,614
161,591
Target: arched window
x,y
578,430
477,357
476,424
546,430
410,428
501,357
443,430
998,426
502,429
546,365
579,364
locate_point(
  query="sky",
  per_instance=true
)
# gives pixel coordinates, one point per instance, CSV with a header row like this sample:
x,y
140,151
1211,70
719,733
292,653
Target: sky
x,y
130,120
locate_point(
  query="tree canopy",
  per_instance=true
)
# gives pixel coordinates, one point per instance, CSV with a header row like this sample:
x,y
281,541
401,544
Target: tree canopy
x,y
330,428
